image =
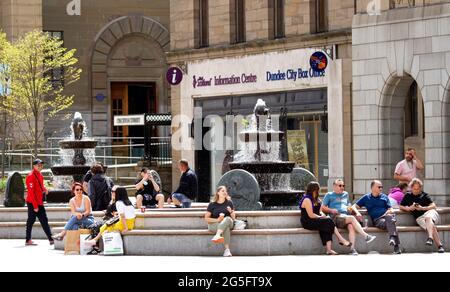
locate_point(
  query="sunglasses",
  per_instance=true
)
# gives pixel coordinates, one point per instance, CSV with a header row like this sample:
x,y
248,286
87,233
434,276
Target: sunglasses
x,y
341,186
78,190
381,187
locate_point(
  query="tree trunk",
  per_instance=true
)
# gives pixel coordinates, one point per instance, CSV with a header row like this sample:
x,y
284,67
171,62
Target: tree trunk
x,y
36,121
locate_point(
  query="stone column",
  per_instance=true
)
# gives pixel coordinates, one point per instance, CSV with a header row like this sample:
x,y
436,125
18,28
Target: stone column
x,y
20,16
335,123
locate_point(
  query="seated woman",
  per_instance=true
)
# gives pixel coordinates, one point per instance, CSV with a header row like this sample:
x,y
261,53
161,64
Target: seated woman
x,y
81,209
312,218
220,217
397,194
126,212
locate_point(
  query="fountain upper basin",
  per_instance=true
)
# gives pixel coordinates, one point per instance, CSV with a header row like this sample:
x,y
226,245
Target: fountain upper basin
x,y
264,166
82,144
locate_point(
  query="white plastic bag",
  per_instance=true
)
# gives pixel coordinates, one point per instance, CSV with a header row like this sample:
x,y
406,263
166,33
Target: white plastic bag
x,y
239,225
85,248
112,244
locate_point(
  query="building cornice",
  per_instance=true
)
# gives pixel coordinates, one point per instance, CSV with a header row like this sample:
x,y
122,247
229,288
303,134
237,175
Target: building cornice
x,y
343,36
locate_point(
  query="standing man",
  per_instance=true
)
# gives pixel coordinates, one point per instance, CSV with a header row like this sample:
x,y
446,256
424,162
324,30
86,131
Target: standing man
x,y
188,189
407,169
337,204
422,207
35,202
148,191
380,210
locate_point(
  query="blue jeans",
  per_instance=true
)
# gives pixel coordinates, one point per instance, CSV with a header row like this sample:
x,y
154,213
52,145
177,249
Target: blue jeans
x,y
185,201
75,224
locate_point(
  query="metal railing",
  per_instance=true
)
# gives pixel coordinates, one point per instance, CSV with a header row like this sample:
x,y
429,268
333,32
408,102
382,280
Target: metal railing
x,y
21,159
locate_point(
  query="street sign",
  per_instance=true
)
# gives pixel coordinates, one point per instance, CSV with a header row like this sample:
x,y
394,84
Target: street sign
x,y
174,76
134,120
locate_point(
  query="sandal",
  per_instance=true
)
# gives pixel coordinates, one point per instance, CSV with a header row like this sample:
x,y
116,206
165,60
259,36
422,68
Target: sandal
x,y
58,237
332,253
348,244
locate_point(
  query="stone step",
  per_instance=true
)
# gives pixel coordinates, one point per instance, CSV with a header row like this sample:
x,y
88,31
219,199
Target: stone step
x,y
62,213
16,230
265,242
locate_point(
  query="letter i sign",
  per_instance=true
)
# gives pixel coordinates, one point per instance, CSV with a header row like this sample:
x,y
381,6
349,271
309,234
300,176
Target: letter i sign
x,y
174,76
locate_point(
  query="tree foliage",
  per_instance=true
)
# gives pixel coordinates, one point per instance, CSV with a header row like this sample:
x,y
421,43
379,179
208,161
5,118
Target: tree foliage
x,y
35,95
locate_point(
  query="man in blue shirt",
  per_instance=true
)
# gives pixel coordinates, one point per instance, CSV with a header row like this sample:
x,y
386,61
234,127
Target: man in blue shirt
x,y
188,189
380,210
336,204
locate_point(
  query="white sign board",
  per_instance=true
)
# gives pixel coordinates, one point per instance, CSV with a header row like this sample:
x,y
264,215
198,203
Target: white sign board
x,y
287,70
135,120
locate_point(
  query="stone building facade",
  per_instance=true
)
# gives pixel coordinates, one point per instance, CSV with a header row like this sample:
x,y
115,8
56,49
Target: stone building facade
x,y
121,47
406,45
273,32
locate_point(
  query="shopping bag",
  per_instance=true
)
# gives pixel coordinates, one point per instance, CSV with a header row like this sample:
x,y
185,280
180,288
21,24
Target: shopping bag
x,y
72,241
85,248
112,244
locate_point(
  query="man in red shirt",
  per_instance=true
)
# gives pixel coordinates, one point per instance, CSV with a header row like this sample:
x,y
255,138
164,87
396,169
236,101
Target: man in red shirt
x,y
35,202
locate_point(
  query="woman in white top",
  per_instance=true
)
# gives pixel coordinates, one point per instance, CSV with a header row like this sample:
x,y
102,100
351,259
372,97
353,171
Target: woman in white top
x,y
126,212
81,209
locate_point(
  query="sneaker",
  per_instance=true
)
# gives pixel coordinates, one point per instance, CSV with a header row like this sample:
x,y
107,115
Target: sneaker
x,y
218,239
392,241
441,249
354,252
370,238
397,249
30,243
429,242
227,253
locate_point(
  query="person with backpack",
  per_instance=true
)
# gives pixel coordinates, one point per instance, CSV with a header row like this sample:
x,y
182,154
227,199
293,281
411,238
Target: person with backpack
x,y
100,188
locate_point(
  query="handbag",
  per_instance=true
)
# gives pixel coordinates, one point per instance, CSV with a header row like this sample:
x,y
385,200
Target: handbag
x,y
112,221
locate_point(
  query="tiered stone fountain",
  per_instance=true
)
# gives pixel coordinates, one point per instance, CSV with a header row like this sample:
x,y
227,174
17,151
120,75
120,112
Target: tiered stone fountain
x,y
259,179
78,169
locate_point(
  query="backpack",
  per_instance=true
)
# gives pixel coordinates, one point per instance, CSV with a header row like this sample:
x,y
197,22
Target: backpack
x,y
102,199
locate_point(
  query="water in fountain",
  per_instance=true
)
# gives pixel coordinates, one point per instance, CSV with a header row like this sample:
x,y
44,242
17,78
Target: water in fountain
x,y
77,153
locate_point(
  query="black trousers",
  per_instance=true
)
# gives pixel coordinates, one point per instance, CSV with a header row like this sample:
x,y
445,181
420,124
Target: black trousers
x,y
42,216
325,226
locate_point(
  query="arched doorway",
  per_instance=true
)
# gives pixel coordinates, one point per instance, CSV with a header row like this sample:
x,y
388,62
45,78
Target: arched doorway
x,y
401,124
127,77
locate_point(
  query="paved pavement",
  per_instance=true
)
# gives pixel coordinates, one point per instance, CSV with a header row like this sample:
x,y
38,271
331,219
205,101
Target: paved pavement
x,y
16,257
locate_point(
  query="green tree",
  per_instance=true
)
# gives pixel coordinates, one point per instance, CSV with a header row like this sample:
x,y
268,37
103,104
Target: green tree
x,y
4,82
33,61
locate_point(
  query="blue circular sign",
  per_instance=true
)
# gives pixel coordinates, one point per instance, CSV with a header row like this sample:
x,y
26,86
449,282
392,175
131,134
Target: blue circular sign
x,y
319,61
100,97
174,76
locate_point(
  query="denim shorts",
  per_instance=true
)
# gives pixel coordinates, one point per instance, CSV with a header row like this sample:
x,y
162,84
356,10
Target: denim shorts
x,y
183,199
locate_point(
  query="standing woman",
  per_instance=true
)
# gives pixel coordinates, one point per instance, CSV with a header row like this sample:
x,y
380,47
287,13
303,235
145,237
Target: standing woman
x,y
220,217
312,218
126,212
81,209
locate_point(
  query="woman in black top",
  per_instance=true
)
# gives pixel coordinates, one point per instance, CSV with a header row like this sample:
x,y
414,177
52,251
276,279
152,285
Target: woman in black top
x,y
220,217
313,219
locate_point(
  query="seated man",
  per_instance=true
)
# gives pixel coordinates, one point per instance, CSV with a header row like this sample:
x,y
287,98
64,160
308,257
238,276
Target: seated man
x,y
188,189
148,191
422,207
336,204
381,212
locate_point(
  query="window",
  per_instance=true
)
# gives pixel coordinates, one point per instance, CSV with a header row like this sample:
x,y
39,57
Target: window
x,y
321,13
414,113
57,75
239,21
278,19
202,29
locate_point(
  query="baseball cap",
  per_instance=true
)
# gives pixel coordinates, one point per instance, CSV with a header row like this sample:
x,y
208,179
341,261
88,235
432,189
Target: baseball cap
x,y
38,161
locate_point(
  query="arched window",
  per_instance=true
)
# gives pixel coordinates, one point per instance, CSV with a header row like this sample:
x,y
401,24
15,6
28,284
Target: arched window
x,y
414,113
